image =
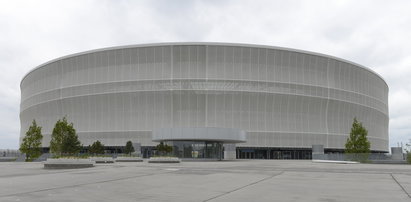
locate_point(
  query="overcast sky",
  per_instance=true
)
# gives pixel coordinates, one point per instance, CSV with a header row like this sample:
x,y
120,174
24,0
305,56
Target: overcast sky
x,y
376,34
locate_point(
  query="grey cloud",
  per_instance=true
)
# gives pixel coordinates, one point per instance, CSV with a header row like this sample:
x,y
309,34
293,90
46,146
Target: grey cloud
x,y
371,33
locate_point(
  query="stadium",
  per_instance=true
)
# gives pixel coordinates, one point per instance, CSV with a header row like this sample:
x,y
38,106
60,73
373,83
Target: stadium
x,y
262,102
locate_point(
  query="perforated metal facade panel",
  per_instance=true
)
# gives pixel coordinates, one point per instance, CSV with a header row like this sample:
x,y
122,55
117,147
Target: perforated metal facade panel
x,y
280,97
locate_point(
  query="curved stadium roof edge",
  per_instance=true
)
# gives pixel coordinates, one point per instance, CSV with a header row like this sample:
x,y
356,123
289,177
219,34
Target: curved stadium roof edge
x,y
201,43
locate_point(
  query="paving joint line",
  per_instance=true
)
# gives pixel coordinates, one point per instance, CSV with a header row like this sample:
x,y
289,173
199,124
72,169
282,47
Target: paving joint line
x,y
83,184
242,187
409,196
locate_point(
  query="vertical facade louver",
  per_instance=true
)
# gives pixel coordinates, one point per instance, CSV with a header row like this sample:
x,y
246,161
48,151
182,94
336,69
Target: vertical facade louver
x,y
281,97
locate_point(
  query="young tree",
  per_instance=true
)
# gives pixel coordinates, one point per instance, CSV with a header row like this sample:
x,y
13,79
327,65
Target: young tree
x,y
96,148
64,139
168,149
129,148
164,148
358,143
32,142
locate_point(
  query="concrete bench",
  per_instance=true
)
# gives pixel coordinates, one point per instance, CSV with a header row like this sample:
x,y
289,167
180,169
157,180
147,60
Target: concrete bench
x,y
7,159
102,159
68,163
164,160
128,159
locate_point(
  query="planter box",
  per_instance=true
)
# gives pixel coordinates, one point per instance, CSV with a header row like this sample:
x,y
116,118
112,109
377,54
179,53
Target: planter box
x,y
8,159
102,159
129,159
68,163
330,161
164,160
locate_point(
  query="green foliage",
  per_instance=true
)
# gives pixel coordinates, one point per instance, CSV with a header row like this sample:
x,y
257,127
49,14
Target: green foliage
x,y
129,148
164,148
64,139
32,142
408,151
357,144
96,148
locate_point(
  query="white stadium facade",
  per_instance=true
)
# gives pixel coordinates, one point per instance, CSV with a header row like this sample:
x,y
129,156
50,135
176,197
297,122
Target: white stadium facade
x,y
260,101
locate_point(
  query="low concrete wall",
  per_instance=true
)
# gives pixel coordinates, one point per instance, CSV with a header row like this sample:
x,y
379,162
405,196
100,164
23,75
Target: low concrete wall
x,y
128,159
164,160
317,149
229,155
389,161
7,159
67,163
378,158
102,159
396,154
229,152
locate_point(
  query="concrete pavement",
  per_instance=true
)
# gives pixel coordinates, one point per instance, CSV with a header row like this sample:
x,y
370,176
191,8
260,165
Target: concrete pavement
x,y
240,180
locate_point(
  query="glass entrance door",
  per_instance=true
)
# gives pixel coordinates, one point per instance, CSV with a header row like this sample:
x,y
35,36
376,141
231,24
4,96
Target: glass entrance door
x,y
196,149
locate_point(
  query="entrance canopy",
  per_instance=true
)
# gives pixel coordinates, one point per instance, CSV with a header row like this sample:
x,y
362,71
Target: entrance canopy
x,y
223,135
